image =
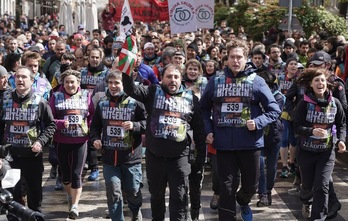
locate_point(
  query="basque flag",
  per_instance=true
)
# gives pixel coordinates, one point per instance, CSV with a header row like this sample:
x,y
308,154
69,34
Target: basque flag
x,y
128,55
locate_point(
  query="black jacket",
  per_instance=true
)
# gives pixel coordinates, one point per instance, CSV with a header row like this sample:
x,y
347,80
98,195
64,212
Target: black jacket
x,y
164,147
117,157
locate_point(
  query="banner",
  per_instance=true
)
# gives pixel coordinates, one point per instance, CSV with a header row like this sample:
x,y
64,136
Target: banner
x,y
188,15
205,14
182,16
143,10
126,22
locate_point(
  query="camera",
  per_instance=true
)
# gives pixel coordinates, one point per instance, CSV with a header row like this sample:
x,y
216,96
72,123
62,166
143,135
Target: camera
x,y
15,209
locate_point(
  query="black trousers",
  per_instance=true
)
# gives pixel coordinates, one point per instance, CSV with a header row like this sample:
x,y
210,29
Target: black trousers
x,y
316,170
230,164
31,173
195,183
174,172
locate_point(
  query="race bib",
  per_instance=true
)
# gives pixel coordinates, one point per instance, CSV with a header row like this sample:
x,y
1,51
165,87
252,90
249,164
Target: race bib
x,y
18,129
114,131
170,120
73,119
232,107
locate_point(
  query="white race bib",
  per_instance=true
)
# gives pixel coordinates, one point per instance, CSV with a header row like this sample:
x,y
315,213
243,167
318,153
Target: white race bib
x,y
73,119
169,120
114,131
18,129
232,107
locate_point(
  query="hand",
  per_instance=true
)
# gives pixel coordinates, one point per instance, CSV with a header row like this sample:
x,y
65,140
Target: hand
x,y
66,124
319,132
97,144
210,138
36,147
251,125
128,125
341,147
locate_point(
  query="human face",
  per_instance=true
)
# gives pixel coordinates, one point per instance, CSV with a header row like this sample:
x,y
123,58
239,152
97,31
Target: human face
x,y
33,65
115,86
78,42
214,53
71,84
223,53
157,44
28,36
192,72
139,59
274,54
3,82
304,49
209,67
79,56
59,50
94,58
288,49
292,67
23,81
200,46
13,45
150,52
95,42
191,53
319,85
178,59
52,44
257,60
236,60
172,80
96,35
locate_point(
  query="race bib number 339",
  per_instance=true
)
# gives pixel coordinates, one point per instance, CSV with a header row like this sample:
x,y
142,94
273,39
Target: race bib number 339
x,y
232,107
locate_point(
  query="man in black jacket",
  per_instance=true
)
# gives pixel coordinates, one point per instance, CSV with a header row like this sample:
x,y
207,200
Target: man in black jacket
x,y
170,109
27,124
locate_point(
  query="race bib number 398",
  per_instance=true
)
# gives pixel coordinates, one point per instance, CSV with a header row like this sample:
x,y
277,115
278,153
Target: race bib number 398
x,y
114,131
232,107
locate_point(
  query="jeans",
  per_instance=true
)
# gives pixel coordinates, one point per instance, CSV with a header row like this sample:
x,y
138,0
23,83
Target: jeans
x,y
288,134
266,181
130,175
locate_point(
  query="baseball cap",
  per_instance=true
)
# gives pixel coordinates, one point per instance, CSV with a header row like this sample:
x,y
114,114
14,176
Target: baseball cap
x,y
319,58
179,53
34,48
120,39
3,71
149,45
80,27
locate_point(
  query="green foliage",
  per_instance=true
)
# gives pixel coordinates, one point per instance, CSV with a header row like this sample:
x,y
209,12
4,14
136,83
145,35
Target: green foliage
x,y
317,19
257,19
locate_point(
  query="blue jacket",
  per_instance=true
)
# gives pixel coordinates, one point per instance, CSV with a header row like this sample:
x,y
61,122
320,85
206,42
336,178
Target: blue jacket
x,y
263,110
146,72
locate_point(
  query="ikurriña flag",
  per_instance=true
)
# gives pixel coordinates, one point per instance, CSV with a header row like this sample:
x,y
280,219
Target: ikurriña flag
x,y
128,55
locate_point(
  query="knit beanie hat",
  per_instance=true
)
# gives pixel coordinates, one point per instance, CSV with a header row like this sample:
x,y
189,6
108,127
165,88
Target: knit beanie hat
x,y
194,46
